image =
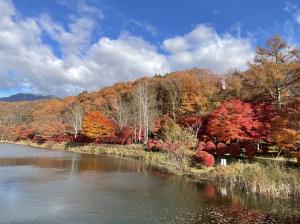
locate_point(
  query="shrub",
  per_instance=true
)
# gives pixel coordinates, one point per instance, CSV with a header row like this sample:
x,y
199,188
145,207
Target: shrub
x,y
222,149
206,158
251,150
210,147
170,130
38,139
125,136
159,145
173,132
234,149
59,138
154,145
178,154
150,144
188,138
201,146
82,139
24,133
200,154
108,140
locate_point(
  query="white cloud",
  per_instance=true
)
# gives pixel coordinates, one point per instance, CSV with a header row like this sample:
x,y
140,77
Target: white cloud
x,y
90,66
126,58
146,26
81,7
73,41
294,10
203,47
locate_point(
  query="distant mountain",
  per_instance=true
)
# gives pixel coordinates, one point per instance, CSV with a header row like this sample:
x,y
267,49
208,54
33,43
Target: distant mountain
x,y
25,97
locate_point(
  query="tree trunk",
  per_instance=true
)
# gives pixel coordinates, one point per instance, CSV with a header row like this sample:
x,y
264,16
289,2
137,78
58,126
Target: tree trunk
x,y
279,153
278,99
173,110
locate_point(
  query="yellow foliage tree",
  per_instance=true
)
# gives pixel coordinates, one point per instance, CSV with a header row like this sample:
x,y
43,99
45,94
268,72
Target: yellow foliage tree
x,y
276,69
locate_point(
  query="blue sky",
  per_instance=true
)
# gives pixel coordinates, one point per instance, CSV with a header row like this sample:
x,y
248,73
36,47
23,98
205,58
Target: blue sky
x,y
63,47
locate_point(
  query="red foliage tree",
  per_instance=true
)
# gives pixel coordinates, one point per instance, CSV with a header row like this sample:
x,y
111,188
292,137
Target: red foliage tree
x,y
265,114
221,149
234,149
193,121
234,120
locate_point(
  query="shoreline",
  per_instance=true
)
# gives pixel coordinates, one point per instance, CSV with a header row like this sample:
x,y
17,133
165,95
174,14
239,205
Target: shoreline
x,y
267,181
133,151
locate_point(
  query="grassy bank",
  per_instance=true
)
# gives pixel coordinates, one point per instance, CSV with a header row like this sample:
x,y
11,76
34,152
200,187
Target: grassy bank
x,y
268,179
272,180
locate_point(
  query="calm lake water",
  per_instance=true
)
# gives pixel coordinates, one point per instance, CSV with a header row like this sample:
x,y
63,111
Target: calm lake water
x,y
45,186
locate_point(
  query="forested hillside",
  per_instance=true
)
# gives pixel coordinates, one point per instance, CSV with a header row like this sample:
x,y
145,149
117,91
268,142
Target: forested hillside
x,y
24,97
186,92
259,104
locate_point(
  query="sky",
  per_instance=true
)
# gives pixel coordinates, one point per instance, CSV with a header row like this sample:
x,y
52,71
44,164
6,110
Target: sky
x,y
63,47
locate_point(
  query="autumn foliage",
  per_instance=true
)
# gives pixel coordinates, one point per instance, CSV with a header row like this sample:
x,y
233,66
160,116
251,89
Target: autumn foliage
x,y
210,147
286,127
155,145
221,149
96,125
226,115
206,158
233,120
201,146
234,149
193,121
251,150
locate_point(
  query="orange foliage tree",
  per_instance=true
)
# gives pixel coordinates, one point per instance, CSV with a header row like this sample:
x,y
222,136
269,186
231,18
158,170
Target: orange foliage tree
x,y
96,125
286,127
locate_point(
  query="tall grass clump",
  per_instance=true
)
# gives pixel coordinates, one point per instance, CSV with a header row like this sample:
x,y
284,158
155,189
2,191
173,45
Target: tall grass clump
x,y
267,180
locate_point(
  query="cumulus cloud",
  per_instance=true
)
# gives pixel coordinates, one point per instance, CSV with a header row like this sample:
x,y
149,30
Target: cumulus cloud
x,y
92,65
22,51
73,41
37,68
203,47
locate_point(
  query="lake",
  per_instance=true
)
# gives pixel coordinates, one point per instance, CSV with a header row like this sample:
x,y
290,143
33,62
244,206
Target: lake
x,y
47,186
